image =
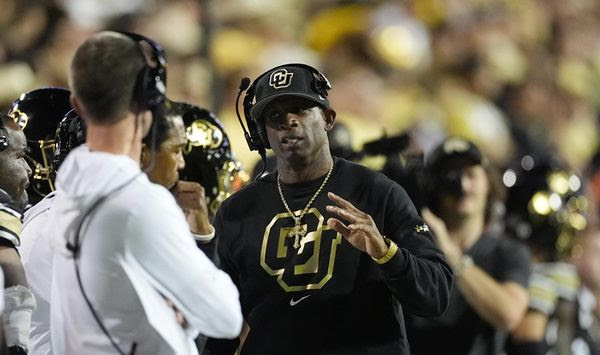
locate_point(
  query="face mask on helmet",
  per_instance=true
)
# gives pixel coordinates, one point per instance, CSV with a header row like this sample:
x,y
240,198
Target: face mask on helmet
x,y
208,157
545,206
38,113
70,133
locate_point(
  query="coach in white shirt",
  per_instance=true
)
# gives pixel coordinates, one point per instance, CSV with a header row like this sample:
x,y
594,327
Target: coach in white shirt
x,y
146,282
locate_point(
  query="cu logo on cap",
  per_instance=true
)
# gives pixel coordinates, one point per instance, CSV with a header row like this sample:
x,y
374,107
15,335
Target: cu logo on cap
x,y
280,79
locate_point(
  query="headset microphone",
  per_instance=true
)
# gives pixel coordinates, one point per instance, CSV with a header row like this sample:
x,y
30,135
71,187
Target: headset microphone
x,y
244,84
253,140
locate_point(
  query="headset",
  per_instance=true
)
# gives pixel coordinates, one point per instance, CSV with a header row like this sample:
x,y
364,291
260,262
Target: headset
x,y
256,135
150,87
3,136
149,94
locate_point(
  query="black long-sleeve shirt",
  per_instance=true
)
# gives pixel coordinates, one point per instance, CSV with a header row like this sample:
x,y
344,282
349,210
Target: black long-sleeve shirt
x,y
327,297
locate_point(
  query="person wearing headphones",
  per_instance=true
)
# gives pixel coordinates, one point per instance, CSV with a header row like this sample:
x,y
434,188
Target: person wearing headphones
x,y
327,254
127,277
161,160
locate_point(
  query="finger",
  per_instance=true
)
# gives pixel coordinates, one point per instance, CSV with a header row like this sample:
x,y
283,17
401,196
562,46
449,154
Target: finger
x,y
338,226
345,214
189,186
430,218
190,202
191,195
426,213
339,200
345,204
364,227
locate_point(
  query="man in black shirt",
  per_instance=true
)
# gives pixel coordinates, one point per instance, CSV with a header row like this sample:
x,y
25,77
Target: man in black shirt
x,y
326,253
491,273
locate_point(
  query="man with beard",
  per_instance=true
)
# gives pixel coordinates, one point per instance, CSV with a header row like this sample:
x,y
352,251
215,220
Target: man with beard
x,y
326,253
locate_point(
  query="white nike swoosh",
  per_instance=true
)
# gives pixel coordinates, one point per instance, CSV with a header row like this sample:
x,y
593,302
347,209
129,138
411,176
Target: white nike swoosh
x,y
294,302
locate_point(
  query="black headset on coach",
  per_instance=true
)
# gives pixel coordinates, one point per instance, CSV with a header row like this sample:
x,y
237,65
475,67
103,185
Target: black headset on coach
x,y
256,135
149,94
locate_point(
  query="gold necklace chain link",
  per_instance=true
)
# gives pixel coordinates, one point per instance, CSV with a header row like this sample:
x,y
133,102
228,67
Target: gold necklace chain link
x,y
297,232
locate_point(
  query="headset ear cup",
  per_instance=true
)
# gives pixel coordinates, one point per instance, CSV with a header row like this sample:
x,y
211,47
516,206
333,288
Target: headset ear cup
x,y
147,95
139,91
320,87
154,88
261,130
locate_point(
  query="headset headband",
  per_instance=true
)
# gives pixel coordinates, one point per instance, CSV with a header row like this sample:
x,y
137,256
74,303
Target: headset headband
x,y
151,89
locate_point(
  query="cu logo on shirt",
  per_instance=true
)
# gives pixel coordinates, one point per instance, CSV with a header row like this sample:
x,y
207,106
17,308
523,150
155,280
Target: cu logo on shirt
x,y
310,266
280,79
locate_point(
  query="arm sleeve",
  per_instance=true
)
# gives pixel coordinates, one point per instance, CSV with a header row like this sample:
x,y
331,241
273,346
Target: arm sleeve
x,y
417,274
210,250
161,243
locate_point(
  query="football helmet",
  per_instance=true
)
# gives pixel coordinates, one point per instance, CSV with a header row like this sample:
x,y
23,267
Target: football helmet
x,y
38,113
208,157
70,133
545,205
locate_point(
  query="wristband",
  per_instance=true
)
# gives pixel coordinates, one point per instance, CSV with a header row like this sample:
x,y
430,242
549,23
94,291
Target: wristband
x,y
392,249
464,263
205,238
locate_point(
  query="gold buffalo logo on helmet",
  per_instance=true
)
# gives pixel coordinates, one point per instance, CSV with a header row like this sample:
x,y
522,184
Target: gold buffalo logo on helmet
x,y
202,133
208,157
19,117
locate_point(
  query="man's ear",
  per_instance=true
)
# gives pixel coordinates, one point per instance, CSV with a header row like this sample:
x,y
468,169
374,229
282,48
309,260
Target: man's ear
x,y
329,116
76,105
146,118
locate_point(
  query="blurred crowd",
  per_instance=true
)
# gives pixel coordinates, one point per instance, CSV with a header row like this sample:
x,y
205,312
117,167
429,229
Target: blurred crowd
x,y
512,75
519,78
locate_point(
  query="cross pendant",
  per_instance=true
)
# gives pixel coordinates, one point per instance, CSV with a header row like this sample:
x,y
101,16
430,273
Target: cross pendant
x,y
298,233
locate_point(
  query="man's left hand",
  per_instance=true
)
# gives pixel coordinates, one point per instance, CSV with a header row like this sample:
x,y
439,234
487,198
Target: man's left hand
x,y
190,197
361,230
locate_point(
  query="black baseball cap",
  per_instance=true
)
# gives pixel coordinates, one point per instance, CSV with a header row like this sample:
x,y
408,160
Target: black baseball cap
x,y
454,152
290,80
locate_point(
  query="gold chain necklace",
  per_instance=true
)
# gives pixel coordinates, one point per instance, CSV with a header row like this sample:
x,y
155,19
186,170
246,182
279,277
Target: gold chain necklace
x,y
297,231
